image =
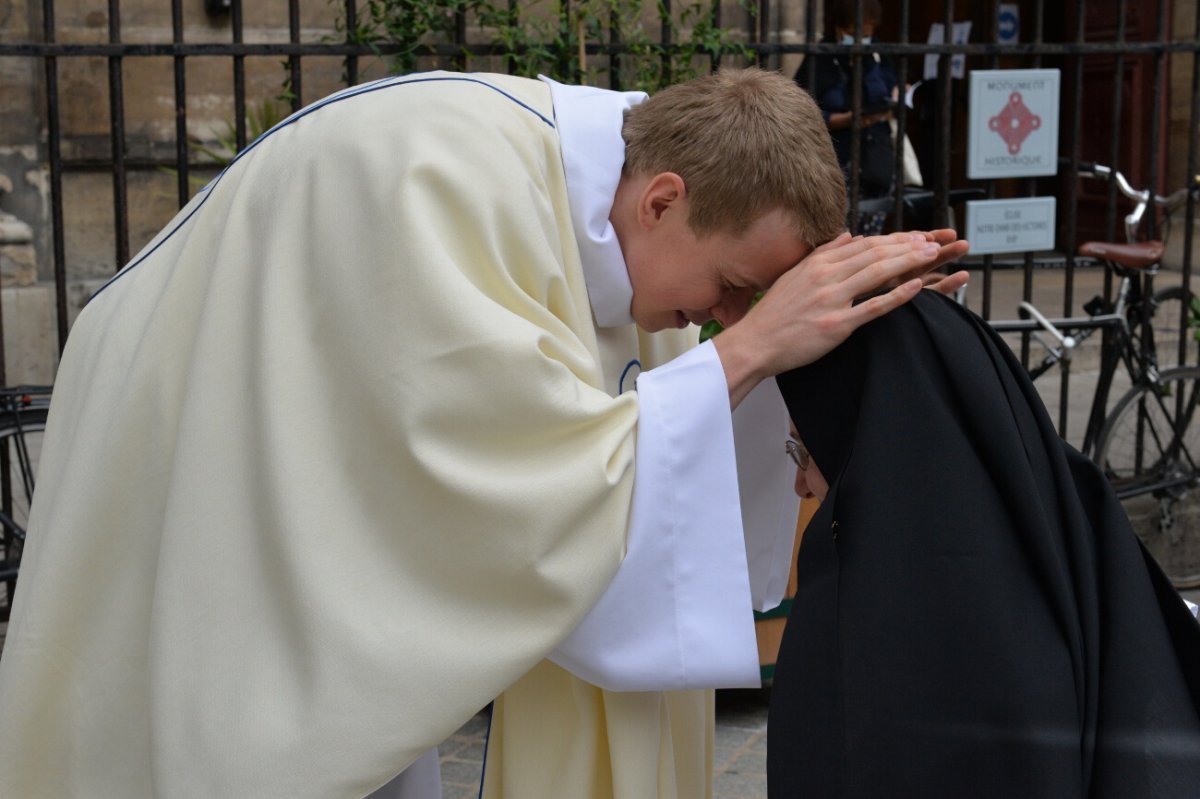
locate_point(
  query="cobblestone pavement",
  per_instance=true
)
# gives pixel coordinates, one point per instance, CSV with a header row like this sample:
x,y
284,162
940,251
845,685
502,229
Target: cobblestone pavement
x,y
462,759
740,759
739,762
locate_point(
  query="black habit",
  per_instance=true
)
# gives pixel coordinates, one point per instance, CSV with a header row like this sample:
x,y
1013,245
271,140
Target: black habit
x,y
974,616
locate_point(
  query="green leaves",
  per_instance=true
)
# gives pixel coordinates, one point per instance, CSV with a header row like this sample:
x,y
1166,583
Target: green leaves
x,y
652,46
260,117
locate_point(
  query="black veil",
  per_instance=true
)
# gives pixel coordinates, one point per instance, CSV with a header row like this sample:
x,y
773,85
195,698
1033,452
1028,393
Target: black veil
x,y
974,616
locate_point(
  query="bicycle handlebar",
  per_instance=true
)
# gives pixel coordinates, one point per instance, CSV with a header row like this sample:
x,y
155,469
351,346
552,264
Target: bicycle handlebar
x,y
1141,199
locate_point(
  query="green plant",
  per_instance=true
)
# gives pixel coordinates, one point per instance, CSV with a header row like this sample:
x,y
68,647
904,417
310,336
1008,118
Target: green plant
x,y
260,117
712,327
554,38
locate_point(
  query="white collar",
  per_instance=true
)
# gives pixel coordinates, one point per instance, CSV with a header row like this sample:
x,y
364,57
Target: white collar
x,y
589,124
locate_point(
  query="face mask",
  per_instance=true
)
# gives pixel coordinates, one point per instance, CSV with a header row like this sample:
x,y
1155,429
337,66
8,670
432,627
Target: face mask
x,y
848,38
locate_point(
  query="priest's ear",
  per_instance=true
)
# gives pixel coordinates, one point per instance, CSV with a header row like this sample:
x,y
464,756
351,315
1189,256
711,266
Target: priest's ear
x,y
663,195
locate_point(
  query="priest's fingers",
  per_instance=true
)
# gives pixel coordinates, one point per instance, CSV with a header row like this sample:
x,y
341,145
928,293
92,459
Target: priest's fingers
x,y
944,235
887,266
953,247
880,304
941,236
947,253
846,250
945,284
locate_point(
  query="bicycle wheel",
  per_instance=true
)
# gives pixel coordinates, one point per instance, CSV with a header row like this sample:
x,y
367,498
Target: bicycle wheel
x,y
20,451
1167,307
1149,448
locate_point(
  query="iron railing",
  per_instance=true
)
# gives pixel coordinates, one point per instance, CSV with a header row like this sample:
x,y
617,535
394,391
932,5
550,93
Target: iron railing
x,y
758,39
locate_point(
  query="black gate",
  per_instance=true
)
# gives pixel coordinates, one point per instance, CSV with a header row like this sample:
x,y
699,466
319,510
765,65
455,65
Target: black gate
x,y
1130,99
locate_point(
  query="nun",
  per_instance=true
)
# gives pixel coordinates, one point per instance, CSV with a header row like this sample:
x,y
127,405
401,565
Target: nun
x,y
975,616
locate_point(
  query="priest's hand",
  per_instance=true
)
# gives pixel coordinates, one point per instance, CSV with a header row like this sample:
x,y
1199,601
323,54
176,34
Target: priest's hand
x,y
819,302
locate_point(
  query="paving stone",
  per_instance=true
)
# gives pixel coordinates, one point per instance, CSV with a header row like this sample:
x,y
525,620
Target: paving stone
x,y
733,785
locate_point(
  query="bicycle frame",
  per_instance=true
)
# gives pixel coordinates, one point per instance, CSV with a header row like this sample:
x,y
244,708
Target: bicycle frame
x,y
14,403
1117,343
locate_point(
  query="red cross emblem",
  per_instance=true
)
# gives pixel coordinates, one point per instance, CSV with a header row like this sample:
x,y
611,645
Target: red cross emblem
x,y
1015,122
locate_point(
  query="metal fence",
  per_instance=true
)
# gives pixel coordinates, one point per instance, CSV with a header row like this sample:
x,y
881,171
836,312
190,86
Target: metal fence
x,y
1052,35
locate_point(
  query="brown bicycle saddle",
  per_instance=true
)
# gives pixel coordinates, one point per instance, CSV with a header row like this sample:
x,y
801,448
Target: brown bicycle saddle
x,y
1131,256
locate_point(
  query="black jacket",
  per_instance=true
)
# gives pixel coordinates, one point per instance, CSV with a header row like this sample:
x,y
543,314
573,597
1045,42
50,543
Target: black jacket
x,y
974,615
834,91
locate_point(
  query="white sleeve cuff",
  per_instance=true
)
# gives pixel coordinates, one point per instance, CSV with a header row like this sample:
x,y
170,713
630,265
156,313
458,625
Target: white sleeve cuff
x,y
678,613
767,478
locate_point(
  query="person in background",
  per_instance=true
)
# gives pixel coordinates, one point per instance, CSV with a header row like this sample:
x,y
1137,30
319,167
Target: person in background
x,y
974,615
834,93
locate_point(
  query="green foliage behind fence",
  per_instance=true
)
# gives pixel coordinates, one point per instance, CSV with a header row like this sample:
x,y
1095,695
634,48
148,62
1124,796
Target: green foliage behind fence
x,y
627,44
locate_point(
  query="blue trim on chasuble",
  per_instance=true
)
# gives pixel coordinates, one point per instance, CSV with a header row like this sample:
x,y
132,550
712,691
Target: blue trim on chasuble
x,y
635,363
346,94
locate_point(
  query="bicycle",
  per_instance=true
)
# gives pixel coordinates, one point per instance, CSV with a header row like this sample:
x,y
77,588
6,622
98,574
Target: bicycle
x,y
23,412
1148,441
1174,311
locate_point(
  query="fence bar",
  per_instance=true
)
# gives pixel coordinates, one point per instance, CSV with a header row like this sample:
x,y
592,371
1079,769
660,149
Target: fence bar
x,y
460,39
116,104
181,144
1072,206
564,35
294,72
1160,32
810,41
763,35
945,103
715,58
1031,188
614,59
856,81
988,260
351,11
1156,122
54,146
1193,168
510,60
1114,151
901,119
239,78
666,36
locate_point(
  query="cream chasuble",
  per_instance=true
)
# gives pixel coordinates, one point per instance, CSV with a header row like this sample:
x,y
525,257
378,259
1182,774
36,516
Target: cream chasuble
x,y
330,464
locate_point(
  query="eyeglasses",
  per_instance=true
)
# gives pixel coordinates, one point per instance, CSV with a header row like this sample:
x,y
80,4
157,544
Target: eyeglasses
x,y
798,453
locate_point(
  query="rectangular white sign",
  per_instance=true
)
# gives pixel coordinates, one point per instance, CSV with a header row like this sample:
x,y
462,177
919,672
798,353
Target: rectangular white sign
x,y
1013,123
960,34
1010,225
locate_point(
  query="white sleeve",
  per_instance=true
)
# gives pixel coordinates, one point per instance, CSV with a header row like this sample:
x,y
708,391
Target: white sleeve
x,y
767,479
678,614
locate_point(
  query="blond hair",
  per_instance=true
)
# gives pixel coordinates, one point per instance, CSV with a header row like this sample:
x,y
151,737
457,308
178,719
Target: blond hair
x,y
745,142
